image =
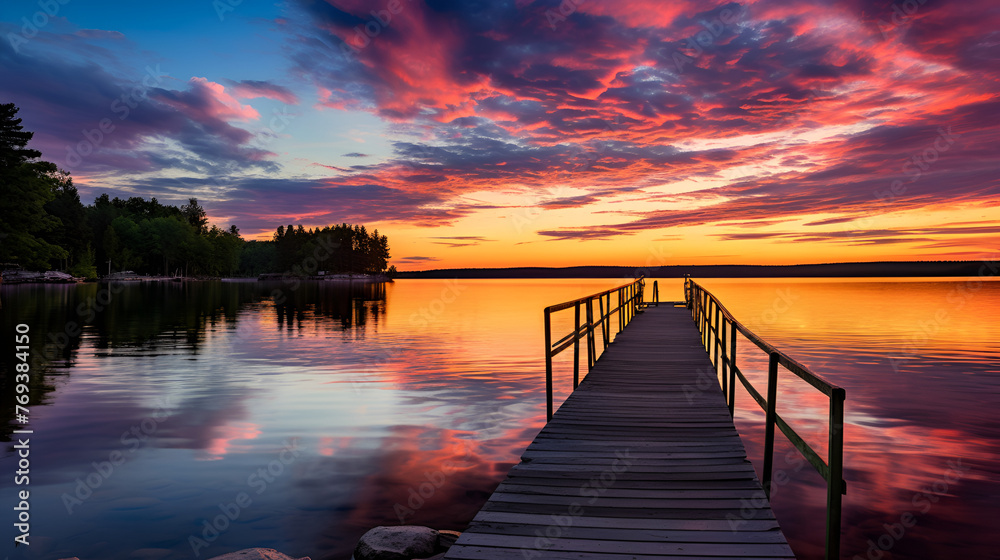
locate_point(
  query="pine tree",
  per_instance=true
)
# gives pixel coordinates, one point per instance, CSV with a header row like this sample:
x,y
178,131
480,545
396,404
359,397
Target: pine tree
x,y
27,185
13,139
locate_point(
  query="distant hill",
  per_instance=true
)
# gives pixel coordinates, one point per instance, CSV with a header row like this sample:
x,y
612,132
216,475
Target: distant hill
x,y
832,270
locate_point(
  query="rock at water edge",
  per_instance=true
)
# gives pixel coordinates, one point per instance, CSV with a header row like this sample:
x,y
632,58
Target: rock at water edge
x,y
404,542
257,554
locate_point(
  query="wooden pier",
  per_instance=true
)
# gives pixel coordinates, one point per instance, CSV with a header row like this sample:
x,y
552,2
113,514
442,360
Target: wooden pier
x,y
642,460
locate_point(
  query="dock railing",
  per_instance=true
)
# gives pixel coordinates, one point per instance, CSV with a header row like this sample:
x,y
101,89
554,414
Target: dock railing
x,y
627,304
718,328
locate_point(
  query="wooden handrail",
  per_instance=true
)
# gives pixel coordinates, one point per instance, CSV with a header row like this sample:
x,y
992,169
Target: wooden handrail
x,y
717,325
628,304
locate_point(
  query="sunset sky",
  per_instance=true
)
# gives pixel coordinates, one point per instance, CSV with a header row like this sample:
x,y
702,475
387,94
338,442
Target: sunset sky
x,y
535,133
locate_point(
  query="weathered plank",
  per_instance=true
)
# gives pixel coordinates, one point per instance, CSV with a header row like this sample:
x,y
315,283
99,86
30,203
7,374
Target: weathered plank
x,y
614,523
644,535
641,461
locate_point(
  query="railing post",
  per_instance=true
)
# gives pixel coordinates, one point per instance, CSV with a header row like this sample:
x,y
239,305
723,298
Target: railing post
x,y
621,311
576,348
621,308
701,315
591,343
628,302
835,486
708,325
725,366
693,304
772,405
708,329
715,338
630,292
631,302
608,318
695,308
636,292
625,308
604,327
732,370
708,320
548,364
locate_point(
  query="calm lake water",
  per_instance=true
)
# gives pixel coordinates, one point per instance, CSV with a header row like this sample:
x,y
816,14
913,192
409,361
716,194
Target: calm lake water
x,y
314,414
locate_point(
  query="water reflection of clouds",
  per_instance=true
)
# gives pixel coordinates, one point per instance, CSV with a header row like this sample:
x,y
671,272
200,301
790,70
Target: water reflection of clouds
x,y
427,475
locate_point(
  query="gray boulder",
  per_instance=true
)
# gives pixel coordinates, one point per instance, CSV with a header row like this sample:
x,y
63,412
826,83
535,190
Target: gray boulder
x,y
404,542
257,554
446,538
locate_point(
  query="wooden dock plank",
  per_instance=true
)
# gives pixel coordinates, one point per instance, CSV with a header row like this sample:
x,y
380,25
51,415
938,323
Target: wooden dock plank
x,y
641,461
643,535
614,523
614,545
497,553
616,492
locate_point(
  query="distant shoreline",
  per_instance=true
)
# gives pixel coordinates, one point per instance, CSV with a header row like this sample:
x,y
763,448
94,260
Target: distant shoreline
x,y
901,269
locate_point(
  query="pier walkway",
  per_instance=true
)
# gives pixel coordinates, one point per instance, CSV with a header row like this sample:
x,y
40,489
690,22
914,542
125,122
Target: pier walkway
x,y
642,460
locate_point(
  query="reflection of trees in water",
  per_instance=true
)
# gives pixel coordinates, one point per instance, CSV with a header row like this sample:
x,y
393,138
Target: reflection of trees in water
x,y
154,315
45,309
160,314
331,304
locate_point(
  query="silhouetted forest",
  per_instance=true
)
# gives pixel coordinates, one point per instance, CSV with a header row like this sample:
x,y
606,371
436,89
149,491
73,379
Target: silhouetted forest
x,y
44,225
335,249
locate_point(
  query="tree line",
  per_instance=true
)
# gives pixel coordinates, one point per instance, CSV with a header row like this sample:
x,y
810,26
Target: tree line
x,y
44,225
343,248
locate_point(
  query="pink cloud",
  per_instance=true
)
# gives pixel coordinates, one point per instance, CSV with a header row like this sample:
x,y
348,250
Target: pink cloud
x,y
225,106
253,89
